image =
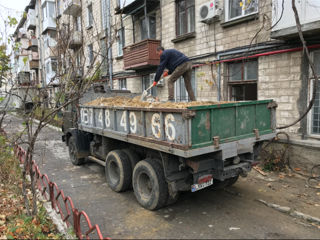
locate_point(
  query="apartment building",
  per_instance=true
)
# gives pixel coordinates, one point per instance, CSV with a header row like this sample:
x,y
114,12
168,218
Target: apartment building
x,y
26,74
240,49
35,61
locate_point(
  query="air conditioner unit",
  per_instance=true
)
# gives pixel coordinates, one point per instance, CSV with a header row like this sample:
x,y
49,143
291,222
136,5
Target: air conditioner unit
x,y
209,11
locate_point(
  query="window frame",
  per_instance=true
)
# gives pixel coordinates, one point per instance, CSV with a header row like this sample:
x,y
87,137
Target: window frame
x,y
145,85
122,81
121,41
177,89
150,15
233,83
90,15
186,18
311,88
90,54
243,15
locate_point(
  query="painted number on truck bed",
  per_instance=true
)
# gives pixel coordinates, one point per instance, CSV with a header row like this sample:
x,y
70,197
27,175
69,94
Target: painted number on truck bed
x,y
86,116
170,130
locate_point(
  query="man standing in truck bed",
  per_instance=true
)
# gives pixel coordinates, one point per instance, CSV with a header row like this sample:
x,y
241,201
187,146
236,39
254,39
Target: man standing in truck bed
x,y
178,65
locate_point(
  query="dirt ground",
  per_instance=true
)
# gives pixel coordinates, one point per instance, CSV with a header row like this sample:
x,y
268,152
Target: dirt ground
x,y
149,103
287,189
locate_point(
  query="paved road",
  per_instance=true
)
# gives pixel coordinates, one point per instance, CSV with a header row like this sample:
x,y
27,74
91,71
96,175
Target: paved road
x,y
231,213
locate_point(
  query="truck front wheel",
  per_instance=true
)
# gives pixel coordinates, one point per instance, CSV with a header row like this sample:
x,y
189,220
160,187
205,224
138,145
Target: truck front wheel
x,y
149,185
73,152
118,171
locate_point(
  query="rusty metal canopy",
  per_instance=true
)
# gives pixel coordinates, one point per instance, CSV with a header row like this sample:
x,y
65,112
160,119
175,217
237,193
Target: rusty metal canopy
x,y
135,6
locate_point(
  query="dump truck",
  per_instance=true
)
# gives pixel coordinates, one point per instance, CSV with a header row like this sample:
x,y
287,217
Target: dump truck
x,y
160,150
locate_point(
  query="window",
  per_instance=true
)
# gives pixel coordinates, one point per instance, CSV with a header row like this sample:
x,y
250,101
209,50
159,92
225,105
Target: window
x,y
315,113
146,82
48,10
77,23
185,17
90,16
90,53
120,41
58,7
104,57
122,83
152,28
104,14
240,8
180,89
242,80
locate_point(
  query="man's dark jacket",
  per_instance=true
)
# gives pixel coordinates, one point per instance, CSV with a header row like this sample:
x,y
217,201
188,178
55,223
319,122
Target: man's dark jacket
x,y
170,59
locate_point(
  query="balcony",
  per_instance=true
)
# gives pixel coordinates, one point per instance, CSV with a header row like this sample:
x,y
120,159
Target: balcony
x,y
31,20
24,78
33,44
51,52
48,23
34,60
71,7
286,29
76,40
141,55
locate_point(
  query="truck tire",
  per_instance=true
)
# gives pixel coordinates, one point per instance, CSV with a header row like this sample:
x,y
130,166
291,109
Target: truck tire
x,y
149,184
133,157
118,171
232,181
217,185
73,152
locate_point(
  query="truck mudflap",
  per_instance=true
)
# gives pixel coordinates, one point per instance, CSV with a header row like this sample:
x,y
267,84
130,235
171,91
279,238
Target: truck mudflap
x,y
205,179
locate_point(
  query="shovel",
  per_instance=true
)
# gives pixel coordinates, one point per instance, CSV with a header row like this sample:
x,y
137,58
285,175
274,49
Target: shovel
x,y
145,93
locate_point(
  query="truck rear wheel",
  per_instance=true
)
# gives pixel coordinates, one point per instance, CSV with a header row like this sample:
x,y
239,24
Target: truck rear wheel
x,y
217,185
118,171
132,155
149,185
73,152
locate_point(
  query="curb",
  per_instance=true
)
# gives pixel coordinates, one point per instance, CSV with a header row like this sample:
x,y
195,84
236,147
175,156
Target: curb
x,y
291,212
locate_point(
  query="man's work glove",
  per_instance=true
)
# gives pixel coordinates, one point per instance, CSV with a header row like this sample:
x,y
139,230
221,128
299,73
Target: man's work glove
x,y
154,83
165,73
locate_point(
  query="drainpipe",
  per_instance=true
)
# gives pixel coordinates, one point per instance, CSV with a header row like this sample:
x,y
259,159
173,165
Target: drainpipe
x,y
109,44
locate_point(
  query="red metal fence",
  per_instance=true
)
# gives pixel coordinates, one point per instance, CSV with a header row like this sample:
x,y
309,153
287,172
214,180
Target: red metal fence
x,y
60,203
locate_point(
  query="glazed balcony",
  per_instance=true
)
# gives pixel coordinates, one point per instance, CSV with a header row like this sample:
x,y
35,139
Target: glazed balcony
x,y
141,55
71,7
48,23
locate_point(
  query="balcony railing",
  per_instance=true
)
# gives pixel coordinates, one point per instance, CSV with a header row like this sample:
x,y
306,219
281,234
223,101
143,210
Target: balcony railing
x,y
71,7
33,44
34,60
76,40
141,55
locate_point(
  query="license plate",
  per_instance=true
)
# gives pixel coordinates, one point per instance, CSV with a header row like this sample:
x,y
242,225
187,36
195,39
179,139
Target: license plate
x,y
196,187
